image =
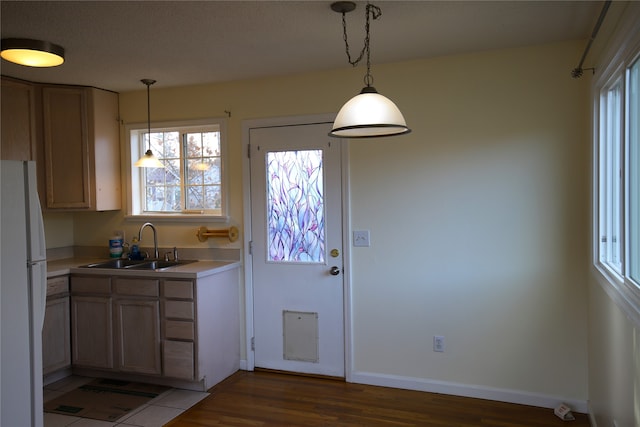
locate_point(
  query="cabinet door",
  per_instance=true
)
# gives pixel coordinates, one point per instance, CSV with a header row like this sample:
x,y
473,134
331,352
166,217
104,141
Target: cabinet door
x,y
18,121
56,346
138,335
104,150
66,143
92,331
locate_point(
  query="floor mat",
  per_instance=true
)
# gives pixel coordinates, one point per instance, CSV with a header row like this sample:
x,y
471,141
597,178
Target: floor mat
x,y
103,399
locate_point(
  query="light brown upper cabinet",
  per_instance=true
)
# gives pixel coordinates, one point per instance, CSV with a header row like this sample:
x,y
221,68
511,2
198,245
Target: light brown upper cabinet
x,y
18,120
81,149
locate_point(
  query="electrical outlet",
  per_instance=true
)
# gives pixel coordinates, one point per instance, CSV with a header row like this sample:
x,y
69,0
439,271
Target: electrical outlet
x,y
438,343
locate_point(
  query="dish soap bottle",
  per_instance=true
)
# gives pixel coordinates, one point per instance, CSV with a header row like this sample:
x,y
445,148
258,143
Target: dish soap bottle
x,y
115,245
134,252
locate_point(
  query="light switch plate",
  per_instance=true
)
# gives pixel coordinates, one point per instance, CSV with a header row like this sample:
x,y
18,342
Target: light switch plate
x,y
361,238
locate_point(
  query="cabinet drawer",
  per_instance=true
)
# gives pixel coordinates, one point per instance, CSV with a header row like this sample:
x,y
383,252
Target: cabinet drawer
x,y
178,329
91,285
179,310
57,285
178,359
178,289
139,287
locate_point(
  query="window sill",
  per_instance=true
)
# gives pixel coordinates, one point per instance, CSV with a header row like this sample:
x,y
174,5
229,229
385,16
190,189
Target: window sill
x,y
178,218
624,293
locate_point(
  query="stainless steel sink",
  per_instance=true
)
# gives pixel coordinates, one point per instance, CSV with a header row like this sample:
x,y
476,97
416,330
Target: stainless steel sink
x,y
147,264
157,265
114,263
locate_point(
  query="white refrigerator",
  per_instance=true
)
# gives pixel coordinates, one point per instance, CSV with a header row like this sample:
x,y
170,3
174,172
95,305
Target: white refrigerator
x,y
23,285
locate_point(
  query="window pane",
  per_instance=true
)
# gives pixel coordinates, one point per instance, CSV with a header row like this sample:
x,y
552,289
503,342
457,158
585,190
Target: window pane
x,y
634,171
163,187
195,198
162,198
202,171
611,176
295,206
170,145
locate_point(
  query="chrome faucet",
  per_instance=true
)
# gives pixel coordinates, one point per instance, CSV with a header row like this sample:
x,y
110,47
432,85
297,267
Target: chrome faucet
x,y
156,255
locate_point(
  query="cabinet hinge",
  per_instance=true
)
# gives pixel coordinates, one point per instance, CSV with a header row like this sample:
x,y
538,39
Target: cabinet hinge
x,y
250,247
253,343
249,151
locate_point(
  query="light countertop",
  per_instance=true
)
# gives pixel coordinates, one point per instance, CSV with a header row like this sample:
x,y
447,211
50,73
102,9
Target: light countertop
x,y
192,270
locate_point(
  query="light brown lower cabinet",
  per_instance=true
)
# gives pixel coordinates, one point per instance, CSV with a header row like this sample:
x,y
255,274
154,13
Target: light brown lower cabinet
x,y
181,332
138,336
56,340
92,331
137,325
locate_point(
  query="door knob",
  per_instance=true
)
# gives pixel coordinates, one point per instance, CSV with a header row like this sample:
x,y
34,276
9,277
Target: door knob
x,y
334,271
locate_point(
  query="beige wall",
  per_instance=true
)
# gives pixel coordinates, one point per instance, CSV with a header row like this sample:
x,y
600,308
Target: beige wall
x,y
614,362
478,218
478,226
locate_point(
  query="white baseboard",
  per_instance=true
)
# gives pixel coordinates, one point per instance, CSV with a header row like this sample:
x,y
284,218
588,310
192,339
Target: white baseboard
x,y
467,390
592,416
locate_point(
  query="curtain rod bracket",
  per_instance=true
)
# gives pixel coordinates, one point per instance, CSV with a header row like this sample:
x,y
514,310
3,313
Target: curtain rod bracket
x,y
577,72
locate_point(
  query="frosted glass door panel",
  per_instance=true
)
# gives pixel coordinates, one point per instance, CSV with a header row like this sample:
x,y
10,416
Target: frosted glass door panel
x,y
295,206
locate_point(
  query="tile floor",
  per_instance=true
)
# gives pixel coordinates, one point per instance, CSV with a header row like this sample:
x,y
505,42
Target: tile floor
x,y
156,413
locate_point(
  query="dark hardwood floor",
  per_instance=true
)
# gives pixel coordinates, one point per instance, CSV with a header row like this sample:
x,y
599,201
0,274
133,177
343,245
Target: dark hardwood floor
x,y
275,399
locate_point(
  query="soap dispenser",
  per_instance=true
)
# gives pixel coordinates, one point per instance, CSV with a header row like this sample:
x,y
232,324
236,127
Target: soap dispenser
x,y
134,252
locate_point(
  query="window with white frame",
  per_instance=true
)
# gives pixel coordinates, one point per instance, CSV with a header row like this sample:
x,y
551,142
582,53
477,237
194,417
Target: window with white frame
x,y
618,176
610,175
633,173
192,182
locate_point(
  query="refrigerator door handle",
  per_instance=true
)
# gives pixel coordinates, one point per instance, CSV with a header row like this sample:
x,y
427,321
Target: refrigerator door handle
x,y
38,248
38,271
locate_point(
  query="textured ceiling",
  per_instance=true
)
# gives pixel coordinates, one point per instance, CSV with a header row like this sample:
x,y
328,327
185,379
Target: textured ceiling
x,y
114,44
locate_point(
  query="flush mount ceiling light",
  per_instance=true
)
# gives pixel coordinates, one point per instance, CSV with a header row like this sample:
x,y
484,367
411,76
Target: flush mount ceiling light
x,y
32,53
367,114
148,160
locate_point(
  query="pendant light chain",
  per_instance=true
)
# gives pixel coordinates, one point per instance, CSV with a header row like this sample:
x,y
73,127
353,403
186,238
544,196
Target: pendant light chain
x,y
375,12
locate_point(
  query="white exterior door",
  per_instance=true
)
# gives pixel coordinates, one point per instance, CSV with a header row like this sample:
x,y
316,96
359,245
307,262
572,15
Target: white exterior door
x,y
297,267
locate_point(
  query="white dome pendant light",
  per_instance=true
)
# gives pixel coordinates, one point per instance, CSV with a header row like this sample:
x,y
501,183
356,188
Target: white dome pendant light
x,y
148,160
368,114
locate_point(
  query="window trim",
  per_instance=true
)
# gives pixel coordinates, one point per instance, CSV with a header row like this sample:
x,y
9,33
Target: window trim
x,y
132,150
615,81
621,53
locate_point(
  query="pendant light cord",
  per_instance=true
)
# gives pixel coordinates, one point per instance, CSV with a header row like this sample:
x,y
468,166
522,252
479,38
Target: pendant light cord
x,y
148,82
371,11
148,116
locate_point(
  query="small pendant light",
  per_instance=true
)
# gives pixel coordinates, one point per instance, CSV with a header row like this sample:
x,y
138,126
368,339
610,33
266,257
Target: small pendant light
x,y
32,53
148,160
368,114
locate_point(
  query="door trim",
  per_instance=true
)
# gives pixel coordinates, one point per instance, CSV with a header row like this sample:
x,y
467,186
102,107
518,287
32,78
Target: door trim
x,y
247,125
